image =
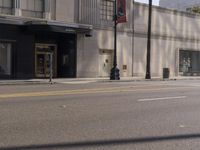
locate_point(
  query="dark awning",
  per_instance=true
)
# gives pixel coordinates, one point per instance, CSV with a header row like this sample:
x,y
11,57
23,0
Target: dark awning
x,y
46,25
56,26
11,20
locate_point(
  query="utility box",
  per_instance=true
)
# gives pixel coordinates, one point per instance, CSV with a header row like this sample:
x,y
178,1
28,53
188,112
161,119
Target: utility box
x,y
166,73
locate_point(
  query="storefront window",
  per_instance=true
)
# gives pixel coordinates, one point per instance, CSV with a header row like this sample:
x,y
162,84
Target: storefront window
x,y
5,59
189,63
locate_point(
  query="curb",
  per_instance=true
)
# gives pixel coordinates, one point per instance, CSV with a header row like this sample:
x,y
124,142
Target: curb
x,y
82,81
24,83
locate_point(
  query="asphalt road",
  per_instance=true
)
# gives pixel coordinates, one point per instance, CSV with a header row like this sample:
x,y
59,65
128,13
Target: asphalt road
x,y
101,116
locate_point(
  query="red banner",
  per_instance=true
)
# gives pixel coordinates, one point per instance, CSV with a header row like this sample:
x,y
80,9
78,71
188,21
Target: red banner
x,y
121,11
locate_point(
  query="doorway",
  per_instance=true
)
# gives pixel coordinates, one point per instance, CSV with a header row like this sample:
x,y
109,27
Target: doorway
x,y
42,60
106,62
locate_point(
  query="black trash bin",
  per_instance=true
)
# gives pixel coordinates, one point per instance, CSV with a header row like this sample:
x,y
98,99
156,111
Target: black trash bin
x,y
166,73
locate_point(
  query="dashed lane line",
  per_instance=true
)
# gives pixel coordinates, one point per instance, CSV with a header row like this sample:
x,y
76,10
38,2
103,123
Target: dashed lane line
x,y
161,98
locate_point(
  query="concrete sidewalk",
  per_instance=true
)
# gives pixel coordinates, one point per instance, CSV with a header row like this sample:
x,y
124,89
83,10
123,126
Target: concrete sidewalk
x,y
86,80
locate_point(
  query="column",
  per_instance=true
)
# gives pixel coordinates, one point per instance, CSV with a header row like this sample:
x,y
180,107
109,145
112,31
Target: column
x,y
47,9
17,8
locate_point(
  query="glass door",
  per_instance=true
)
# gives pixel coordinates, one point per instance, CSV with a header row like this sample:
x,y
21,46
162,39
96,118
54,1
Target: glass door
x,y
42,60
40,67
5,59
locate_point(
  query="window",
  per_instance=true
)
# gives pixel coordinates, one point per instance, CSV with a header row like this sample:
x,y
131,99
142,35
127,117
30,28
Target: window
x,y
107,10
6,6
5,58
32,8
33,5
189,62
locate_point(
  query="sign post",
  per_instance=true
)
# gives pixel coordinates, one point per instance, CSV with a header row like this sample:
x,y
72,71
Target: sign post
x,y
148,66
119,17
51,68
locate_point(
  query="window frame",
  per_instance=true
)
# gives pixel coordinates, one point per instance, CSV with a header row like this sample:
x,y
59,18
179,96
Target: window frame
x,y
107,10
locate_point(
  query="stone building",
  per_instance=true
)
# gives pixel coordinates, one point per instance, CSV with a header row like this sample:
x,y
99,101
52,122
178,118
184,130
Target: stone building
x,y
175,42
31,30
80,36
182,5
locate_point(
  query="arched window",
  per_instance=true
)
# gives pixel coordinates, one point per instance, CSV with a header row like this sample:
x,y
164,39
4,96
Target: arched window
x,y
32,8
6,6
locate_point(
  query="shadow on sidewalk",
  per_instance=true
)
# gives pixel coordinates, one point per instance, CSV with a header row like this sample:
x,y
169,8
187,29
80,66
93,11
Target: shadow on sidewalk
x,y
114,142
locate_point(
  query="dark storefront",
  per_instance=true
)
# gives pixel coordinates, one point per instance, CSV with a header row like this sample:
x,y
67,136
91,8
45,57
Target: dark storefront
x,y
25,50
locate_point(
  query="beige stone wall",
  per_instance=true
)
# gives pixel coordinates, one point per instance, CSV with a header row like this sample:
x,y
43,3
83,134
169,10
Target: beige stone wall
x,y
67,10
88,52
88,48
171,31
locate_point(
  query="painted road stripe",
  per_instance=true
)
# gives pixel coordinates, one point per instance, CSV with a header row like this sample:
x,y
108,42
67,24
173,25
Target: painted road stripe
x,y
162,98
87,91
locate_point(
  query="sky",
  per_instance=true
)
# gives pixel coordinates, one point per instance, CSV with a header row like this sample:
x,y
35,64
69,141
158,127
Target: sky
x,y
155,2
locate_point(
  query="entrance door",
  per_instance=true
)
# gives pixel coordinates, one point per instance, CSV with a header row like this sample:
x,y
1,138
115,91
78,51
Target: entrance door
x,y
5,60
106,62
43,64
42,59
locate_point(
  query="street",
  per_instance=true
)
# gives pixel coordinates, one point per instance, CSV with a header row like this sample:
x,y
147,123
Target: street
x,y
143,115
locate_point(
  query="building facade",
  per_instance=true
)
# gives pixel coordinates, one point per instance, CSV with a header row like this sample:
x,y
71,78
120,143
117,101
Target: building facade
x,y
174,44
183,5
79,34
32,30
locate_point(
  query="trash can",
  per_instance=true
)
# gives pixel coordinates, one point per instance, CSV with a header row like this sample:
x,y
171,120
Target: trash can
x,y
165,73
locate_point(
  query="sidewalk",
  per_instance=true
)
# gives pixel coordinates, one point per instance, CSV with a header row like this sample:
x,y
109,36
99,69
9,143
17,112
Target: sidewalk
x,y
86,80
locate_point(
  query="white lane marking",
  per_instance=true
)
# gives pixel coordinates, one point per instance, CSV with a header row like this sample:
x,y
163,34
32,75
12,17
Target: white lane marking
x,y
181,126
162,98
77,82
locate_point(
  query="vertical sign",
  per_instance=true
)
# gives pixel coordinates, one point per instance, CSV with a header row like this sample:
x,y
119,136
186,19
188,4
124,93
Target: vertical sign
x,y
121,11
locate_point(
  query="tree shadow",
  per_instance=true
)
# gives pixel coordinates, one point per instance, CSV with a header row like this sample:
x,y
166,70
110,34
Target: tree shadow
x,y
113,142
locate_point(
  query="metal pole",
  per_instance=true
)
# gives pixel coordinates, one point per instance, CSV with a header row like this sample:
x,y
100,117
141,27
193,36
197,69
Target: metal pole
x,y
115,71
51,68
148,66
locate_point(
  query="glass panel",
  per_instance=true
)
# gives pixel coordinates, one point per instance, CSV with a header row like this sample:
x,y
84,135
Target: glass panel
x,y
5,59
47,65
107,10
189,62
40,64
32,8
33,5
7,3
6,7
184,58
1,3
38,5
24,4
43,60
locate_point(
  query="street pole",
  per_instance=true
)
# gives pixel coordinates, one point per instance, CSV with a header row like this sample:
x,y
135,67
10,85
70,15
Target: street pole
x,y
148,66
115,71
51,68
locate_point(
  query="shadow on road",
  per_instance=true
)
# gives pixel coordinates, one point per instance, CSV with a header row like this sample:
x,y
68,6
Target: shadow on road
x,y
101,143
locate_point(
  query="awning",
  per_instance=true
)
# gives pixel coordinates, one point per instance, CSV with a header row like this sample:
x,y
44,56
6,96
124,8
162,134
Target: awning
x,y
56,26
46,25
11,20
